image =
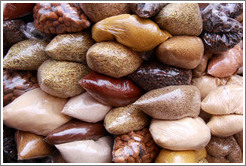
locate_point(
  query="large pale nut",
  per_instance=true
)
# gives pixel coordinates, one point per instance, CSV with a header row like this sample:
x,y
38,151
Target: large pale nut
x,y
87,151
112,59
224,100
76,130
99,11
180,19
35,111
26,55
125,119
31,146
187,156
60,78
70,47
184,134
181,51
130,30
84,107
171,102
225,125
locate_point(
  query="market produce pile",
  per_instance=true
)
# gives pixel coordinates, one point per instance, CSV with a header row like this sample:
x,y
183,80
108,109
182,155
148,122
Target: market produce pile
x,y
119,82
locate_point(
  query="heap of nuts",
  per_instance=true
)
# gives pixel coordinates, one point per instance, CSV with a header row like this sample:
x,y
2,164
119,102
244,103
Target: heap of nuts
x,y
58,18
16,83
135,147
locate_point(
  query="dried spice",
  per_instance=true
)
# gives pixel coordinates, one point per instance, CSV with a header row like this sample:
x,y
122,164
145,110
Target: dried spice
x,y
171,102
135,147
180,19
226,148
99,11
12,33
125,119
153,75
59,18
146,10
181,51
16,83
112,59
220,31
115,92
70,47
131,31
60,78
26,55
76,130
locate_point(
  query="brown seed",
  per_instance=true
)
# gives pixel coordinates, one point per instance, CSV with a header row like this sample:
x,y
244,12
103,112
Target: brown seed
x,y
53,16
61,29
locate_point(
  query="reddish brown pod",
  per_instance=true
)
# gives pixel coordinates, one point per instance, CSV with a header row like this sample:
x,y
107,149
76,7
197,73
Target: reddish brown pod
x,y
59,18
116,92
16,10
76,130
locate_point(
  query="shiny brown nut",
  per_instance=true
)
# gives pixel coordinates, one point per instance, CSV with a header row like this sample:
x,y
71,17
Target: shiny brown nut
x,y
135,147
180,19
17,81
26,55
16,10
60,78
59,18
76,130
125,119
181,51
31,146
99,11
171,102
115,92
112,59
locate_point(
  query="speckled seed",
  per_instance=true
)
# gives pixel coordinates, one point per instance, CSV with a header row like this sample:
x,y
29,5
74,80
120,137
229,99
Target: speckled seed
x,y
181,51
70,47
26,55
125,119
99,11
172,102
112,59
60,78
180,19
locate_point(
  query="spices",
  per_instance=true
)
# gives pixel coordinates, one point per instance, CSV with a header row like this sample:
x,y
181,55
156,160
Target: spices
x,y
225,125
226,148
112,59
16,10
35,111
84,107
153,75
12,33
180,19
186,156
16,83
135,147
99,11
31,146
171,102
25,55
115,92
59,18
87,151
184,134
181,51
125,119
146,10
60,78
224,100
130,30
70,47
76,130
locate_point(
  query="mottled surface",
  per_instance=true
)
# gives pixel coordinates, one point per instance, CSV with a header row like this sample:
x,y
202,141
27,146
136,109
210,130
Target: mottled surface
x,y
146,10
